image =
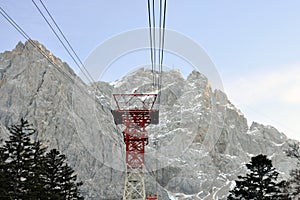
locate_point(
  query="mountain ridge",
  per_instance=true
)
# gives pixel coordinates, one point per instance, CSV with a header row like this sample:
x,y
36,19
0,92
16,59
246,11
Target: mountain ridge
x,y
203,137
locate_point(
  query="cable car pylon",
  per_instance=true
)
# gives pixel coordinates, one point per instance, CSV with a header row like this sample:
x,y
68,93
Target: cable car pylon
x,y
136,112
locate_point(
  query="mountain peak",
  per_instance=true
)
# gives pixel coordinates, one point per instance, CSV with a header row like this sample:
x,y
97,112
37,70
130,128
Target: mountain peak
x,y
29,44
202,137
20,46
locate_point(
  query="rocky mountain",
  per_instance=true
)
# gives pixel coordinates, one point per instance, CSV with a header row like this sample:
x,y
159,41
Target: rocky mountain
x,y
196,151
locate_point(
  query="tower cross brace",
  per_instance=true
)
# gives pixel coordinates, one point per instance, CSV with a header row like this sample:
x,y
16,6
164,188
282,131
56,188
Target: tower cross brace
x,y
136,112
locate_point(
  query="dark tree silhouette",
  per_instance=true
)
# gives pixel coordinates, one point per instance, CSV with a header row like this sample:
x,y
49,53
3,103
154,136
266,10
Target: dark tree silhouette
x,y
260,183
37,190
293,151
28,172
59,177
18,152
4,177
293,185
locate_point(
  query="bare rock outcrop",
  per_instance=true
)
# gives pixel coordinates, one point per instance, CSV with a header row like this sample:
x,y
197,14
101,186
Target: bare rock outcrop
x,y
196,151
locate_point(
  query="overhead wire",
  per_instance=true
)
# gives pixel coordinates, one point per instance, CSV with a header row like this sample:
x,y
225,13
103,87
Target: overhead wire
x,y
44,54
82,67
163,42
159,42
26,36
40,50
6,16
157,68
58,37
65,38
157,73
151,42
154,41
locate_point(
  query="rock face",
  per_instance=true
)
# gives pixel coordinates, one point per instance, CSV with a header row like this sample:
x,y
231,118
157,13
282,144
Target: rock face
x,y
195,152
32,88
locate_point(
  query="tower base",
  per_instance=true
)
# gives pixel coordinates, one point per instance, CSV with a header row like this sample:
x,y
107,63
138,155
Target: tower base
x,y
134,184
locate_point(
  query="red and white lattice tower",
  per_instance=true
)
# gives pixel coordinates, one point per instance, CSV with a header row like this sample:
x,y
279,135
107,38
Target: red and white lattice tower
x,y
136,112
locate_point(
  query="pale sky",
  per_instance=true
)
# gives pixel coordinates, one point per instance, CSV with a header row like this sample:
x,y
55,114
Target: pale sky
x,y
255,44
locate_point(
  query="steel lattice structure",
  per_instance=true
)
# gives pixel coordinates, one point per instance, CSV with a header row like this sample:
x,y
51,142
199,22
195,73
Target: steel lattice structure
x,y
136,112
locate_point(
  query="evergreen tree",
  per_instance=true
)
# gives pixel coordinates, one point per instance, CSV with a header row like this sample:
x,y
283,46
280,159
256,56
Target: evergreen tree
x,y
293,185
19,153
27,172
4,177
59,178
36,178
260,183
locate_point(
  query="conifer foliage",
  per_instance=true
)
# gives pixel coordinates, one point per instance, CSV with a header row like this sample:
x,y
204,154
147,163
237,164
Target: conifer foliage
x,y
59,179
260,183
293,185
27,171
